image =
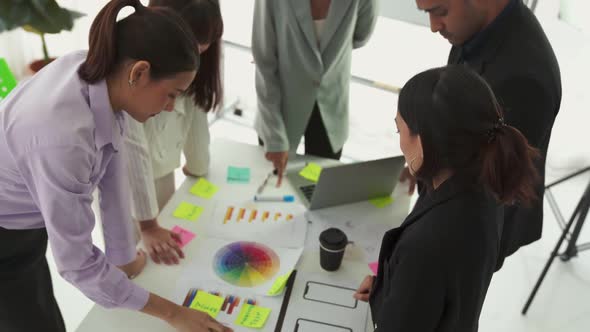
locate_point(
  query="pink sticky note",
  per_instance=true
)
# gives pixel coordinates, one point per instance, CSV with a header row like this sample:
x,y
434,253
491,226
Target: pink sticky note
x,y
374,267
185,235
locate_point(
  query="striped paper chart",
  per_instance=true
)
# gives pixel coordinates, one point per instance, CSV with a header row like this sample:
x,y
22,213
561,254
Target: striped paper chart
x,y
240,214
279,224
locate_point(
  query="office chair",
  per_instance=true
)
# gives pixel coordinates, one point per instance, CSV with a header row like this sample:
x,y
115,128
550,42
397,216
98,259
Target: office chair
x,y
576,220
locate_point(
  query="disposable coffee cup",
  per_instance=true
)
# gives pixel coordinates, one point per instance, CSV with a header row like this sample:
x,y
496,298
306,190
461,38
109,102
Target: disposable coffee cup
x,y
332,245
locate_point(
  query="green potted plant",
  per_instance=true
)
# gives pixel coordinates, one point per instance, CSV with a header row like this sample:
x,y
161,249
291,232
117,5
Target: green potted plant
x,y
38,16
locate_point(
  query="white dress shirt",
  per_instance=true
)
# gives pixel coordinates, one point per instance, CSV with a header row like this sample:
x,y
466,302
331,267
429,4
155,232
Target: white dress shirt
x,y
154,150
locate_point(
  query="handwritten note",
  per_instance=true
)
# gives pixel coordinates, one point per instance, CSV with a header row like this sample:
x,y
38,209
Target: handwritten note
x,y
311,172
374,267
188,211
279,284
204,188
186,236
238,174
253,316
381,202
207,303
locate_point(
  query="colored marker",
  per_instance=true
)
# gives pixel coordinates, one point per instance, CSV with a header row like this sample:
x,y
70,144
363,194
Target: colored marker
x,y
285,198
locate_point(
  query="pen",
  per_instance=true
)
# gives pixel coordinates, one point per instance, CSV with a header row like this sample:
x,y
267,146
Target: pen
x,y
261,188
285,198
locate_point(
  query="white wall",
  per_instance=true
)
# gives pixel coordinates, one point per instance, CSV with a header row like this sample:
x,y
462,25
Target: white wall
x,y
575,12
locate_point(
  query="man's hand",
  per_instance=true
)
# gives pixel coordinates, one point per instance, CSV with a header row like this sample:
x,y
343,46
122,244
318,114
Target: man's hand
x,y
406,175
279,161
162,244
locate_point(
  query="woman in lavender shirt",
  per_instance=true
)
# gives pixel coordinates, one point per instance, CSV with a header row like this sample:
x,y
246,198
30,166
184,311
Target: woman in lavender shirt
x,y
61,137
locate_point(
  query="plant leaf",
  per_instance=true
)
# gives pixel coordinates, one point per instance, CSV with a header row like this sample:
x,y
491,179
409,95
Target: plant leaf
x,y
39,16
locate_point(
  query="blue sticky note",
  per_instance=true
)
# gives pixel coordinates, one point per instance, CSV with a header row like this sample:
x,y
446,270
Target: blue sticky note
x,y
238,174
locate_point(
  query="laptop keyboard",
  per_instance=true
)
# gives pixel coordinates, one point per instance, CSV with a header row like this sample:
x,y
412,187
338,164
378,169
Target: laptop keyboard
x,y
308,191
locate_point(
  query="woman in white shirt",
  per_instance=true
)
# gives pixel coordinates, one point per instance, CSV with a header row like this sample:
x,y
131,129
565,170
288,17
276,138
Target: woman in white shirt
x,y
154,147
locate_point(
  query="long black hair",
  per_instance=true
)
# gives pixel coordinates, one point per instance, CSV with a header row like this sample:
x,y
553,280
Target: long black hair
x,y
461,127
206,23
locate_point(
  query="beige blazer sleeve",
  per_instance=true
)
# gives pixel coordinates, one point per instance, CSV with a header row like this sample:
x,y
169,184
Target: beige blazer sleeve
x,y
268,87
365,24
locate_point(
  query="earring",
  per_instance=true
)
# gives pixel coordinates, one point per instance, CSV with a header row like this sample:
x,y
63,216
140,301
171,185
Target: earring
x,y
131,83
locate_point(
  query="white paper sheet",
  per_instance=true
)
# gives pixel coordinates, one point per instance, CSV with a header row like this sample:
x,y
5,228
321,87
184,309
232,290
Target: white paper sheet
x,y
321,302
278,224
366,234
229,312
241,265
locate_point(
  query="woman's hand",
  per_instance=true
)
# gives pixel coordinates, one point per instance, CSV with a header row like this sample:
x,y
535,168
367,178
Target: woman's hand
x,y
134,268
364,290
189,320
162,244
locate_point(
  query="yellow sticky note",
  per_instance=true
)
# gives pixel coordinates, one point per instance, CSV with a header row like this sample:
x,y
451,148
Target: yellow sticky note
x,y
207,303
252,316
279,284
381,202
311,172
204,188
188,211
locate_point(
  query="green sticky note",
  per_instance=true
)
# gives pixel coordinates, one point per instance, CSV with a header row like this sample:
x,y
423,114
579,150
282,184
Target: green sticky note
x,y
238,174
188,211
279,285
204,188
311,172
252,316
381,202
207,303
7,80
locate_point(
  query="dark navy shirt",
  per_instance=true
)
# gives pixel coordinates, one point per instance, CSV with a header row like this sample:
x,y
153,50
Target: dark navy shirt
x,y
472,46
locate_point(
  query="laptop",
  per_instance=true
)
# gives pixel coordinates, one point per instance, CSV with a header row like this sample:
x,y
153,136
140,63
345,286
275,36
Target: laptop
x,y
348,183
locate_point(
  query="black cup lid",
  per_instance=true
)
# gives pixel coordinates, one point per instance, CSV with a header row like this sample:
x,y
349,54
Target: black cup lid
x,y
333,239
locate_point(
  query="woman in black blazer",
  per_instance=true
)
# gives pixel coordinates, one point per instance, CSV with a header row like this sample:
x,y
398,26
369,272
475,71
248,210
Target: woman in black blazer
x,y
435,269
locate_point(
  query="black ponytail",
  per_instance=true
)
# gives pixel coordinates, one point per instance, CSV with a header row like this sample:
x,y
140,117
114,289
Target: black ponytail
x,y
461,128
508,166
156,35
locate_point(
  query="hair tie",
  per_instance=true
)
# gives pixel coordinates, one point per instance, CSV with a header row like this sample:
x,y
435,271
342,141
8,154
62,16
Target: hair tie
x,y
493,132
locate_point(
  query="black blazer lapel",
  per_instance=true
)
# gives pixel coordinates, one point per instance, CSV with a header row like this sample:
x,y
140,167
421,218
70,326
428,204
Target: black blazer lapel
x,y
445,192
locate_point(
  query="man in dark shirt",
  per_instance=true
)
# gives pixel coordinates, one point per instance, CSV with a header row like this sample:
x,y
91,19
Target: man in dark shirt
x,y
503,41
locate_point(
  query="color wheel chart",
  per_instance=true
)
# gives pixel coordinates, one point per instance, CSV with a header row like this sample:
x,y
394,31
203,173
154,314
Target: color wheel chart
x,y
246,264
244,215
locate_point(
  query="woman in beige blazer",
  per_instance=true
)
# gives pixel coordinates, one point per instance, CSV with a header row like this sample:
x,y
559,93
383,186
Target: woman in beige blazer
x,y
154,147
302,50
